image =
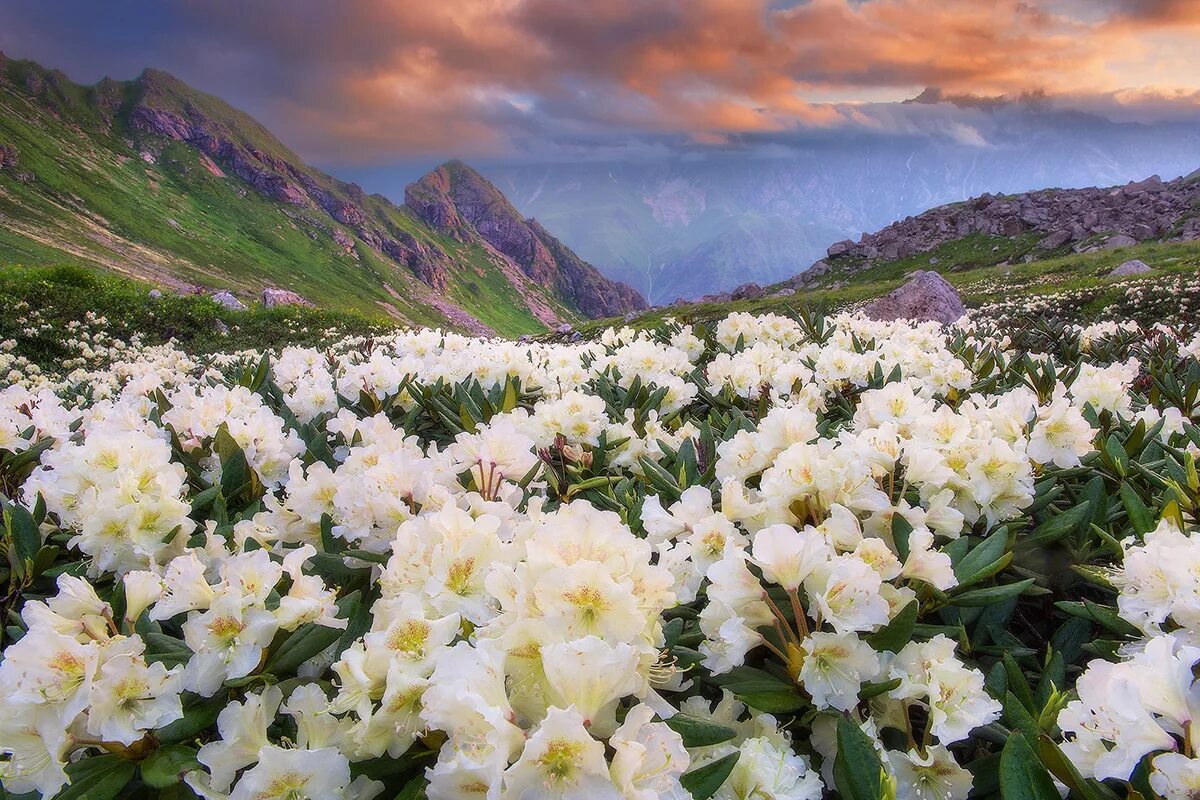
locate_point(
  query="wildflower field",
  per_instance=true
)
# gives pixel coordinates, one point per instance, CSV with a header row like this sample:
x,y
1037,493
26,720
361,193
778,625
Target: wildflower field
x,y
769,558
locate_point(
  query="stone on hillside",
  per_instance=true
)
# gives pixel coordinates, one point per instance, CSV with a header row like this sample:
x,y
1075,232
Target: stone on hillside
x,y
631,316
747,291
838,248
785,293
1131,267
228,300
155,294
1152,184
282,297
1120,240
566,327
926,296
1055,240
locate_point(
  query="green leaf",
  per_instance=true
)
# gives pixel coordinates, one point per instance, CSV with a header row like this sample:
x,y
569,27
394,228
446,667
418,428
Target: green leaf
x,y
1019,718
414,789
1139,516
309,639
24,535
985,553
1060,525
869,690
897,633
857,769
1022,776
703,782
97,778
167,765
199,714
990,594
901,530
699,732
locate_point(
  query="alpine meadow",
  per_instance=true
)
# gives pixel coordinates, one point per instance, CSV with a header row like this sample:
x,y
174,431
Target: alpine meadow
x,y
830,433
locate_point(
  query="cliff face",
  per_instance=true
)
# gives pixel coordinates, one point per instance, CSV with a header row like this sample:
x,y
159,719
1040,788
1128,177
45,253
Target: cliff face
x,y
458,201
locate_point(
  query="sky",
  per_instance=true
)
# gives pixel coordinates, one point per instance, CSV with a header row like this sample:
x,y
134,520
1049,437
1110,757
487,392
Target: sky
x,y
370,82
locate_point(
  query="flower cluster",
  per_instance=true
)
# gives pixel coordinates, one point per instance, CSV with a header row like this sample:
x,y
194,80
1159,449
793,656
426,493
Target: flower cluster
x,y
773,557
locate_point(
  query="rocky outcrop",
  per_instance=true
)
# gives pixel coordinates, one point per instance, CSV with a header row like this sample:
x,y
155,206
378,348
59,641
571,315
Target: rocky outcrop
x,y
427,263
924,297
282,297
1088,219
457,200
1131,267
747,291
228,300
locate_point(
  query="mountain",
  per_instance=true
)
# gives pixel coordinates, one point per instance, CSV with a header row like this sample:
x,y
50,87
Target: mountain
x,y
1127,252
685,225
155,179
1001,229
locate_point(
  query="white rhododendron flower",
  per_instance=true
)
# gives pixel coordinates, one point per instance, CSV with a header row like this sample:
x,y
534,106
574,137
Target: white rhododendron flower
x,y
733,554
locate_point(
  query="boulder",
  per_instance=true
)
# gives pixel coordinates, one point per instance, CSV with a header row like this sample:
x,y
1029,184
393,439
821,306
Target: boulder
x,y
282,297
1055,240
785,293
838,248
926,296
1120,240
228,300
156,294
1152,184
1131,267
566,327
747,291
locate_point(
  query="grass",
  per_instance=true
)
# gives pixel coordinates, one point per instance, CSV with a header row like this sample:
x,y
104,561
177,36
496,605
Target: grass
x,y
54,297
978,284
95,201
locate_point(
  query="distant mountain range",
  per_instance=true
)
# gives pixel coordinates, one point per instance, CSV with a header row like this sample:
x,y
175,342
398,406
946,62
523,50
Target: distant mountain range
x,y
155,179
709,221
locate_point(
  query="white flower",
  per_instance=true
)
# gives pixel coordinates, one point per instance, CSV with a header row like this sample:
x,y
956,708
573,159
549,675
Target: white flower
x,y
787,556
243,728
834,667
560,760
130,697
932,776
590,676
648,758
282,774
1175,776
846,595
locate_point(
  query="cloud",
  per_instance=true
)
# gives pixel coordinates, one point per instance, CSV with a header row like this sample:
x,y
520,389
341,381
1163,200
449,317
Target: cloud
x,y
371,80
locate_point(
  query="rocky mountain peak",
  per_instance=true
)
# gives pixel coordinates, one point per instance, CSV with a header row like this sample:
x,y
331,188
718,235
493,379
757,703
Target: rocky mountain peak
x,y
454,198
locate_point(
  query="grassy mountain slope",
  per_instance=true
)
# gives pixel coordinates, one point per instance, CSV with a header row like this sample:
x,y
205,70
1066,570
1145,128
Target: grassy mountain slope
x,y
155,180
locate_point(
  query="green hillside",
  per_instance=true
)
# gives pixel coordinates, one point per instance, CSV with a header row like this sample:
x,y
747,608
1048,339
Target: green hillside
x,y
1075,287
157,181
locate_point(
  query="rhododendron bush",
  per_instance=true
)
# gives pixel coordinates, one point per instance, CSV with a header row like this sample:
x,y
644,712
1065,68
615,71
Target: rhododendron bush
x,y
776,558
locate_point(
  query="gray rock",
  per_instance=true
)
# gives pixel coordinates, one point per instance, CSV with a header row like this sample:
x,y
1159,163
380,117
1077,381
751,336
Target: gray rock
x,y
747,291
1152,184
1055,240
155,294
1120,240
926,296
631,316
566,327
282,297
785,293
226,298
222,328
838,248
1131,267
